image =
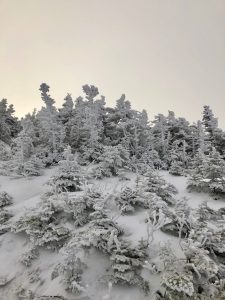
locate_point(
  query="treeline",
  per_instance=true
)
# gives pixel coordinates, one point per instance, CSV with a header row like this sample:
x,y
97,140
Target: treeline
x,y
93,130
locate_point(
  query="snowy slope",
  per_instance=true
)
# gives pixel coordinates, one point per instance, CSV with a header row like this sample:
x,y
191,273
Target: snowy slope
x,y
27,192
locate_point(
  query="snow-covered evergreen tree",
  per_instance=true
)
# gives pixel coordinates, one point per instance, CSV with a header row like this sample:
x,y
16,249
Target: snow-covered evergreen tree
x,y
159,133
127,200
5,199
5,151
5,215
156,184
65,116
209,121
179,220
176,168
24,161
72,269
112,159
51,132
208,173
68,177
127,263
42,225
9,125
179,286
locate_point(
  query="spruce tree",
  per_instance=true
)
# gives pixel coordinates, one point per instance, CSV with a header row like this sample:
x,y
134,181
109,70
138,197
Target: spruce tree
x,y
9,125
51,132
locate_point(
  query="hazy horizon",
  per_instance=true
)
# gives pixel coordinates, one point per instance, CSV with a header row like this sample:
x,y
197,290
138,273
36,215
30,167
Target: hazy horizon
x,y
164,55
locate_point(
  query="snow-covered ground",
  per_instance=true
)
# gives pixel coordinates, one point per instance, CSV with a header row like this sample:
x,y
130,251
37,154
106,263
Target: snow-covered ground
x,y
193,198
27,193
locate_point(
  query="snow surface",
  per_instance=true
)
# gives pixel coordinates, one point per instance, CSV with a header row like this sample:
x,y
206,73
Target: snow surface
x,y
27,193
194,198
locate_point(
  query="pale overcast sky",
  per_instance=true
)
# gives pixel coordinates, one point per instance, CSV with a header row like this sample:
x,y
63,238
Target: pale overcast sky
x,y
163,54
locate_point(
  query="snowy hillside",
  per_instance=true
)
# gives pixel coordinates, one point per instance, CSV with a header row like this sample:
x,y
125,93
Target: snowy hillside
x,y
36,280
101,203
